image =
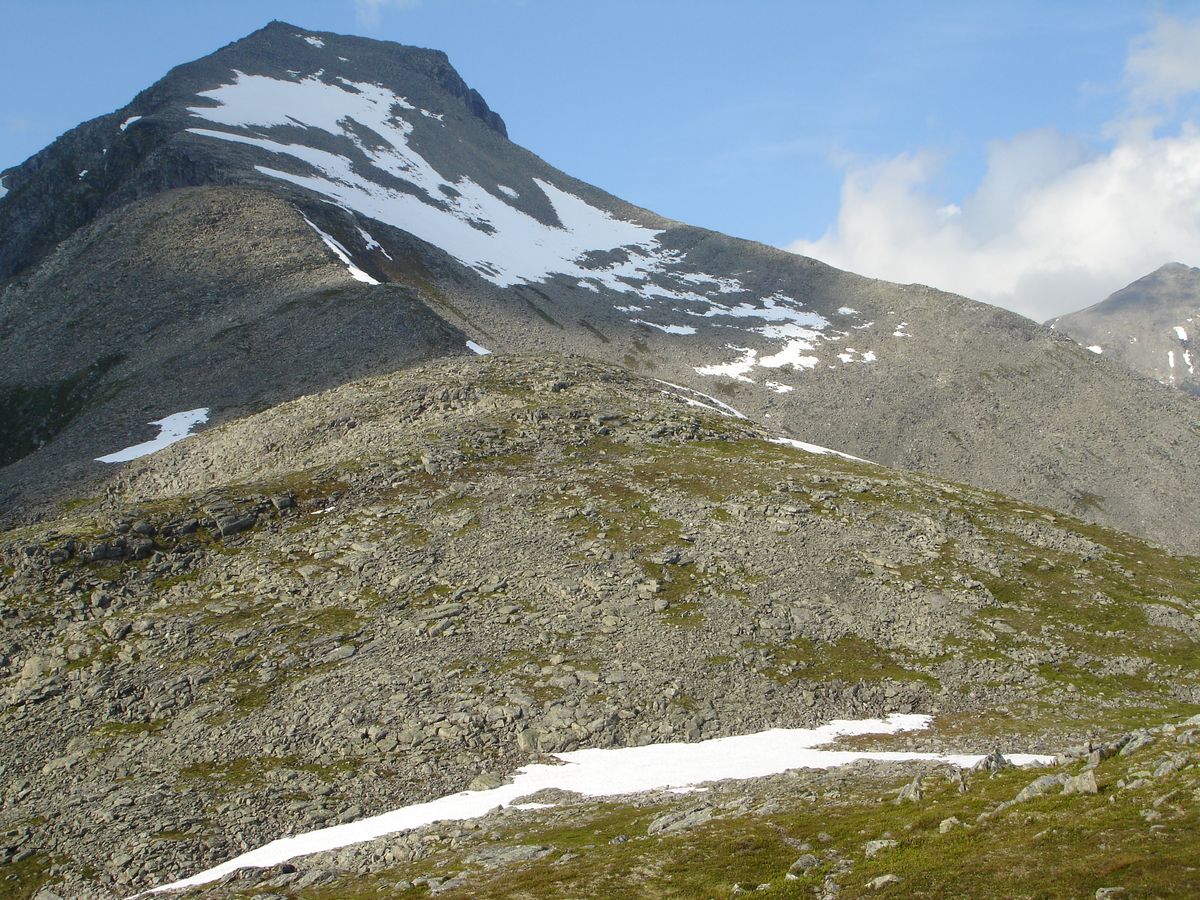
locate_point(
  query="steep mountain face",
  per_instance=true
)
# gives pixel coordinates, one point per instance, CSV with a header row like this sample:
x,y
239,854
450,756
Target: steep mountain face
x,y
385,593
409,179
1149,326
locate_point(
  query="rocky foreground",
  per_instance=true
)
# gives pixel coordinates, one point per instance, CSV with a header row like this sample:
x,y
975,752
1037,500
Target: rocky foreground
x,y
388,592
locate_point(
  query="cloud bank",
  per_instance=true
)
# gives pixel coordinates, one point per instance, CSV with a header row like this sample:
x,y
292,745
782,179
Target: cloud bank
x,y
1054,225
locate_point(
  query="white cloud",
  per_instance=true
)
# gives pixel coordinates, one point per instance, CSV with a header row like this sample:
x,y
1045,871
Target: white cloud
x,y
369,12
1054,225
1164,64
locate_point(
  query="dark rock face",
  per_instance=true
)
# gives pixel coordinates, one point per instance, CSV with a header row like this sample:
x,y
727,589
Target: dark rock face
x,y
1151,326
406,176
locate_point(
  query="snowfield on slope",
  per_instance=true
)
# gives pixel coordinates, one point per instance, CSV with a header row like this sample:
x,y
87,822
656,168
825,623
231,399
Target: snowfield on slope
x,y
612,773
171,430
481,227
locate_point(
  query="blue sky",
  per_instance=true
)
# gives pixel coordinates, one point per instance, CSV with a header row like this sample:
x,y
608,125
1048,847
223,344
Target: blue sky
x,y
796,124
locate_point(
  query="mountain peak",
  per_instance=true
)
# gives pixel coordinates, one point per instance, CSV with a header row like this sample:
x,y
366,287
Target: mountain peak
x,y
148,145
285,45
1174,270
1148,325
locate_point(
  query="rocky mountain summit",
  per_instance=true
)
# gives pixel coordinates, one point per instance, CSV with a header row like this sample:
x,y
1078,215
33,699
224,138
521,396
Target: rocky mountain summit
x,y
210,238
1149,326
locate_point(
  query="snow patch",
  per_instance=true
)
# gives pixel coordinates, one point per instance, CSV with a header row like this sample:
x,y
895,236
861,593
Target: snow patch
x,y
129,122
813,448
847,311
83,174
611,773
721,406
775,308
370,243
355,272
311,39
3,189
507,191
790,356
171,429
779,388
669,329
737,369
1171,358
503,244
1181,332
478,349
1096,348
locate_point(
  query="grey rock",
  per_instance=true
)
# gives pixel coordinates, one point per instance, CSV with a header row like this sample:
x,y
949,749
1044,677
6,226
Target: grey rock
x,y
1040,786
1084,783
949,824
1138,741
994,762
1172,764
231,525
911,792
339,653
676,821
873,848
494,857
803,866
485,781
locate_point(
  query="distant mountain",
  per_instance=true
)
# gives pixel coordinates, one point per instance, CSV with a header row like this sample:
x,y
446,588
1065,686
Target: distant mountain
x,y
217,244
1151,326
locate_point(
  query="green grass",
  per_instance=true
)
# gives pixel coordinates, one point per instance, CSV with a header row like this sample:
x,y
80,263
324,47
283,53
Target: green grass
x,y
25,878
849,659
130,729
